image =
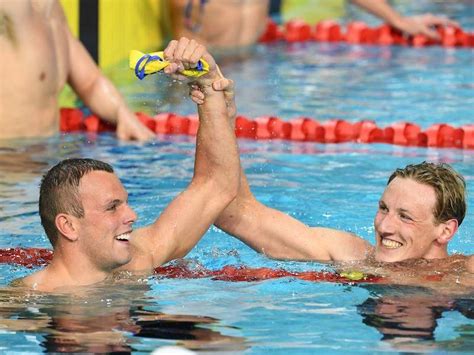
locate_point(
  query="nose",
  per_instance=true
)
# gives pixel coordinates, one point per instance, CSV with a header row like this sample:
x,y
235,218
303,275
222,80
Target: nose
x,y
130,215
385,223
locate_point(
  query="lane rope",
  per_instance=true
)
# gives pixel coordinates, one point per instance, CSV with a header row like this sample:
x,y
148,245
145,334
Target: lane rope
x,y
359,32
302,129
38,257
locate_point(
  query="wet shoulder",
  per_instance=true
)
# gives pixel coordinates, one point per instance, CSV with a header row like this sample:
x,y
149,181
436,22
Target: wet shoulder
x,y
470,264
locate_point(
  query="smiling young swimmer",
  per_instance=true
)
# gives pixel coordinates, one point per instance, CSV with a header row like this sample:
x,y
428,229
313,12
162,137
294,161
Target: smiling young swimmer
x,y
419,212
84,206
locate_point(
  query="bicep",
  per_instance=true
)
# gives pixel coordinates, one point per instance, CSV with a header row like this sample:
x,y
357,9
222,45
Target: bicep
x,y
183,222
281,236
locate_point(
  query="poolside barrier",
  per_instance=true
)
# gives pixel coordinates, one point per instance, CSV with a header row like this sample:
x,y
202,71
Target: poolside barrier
x,y
302,129
34,257
360,33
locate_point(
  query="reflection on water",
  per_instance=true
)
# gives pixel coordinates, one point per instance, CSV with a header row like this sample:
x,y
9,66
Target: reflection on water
x,y
407,317
336,185
105,319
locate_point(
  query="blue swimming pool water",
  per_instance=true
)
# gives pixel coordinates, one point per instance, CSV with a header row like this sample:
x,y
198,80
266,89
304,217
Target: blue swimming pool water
x,y
333,185
336,80
322,185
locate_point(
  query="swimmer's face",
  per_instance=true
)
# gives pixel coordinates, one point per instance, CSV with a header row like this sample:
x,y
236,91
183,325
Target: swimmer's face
x,y
108,219
405,226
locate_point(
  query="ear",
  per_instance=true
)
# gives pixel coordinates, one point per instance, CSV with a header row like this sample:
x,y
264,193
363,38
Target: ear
x,y
447,231
66,226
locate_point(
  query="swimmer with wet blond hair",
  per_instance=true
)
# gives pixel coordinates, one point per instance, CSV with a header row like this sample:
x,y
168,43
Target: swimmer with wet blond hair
x,y
419,213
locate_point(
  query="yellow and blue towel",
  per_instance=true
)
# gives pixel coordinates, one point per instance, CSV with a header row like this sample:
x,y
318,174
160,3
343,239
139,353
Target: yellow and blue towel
x,y
145,64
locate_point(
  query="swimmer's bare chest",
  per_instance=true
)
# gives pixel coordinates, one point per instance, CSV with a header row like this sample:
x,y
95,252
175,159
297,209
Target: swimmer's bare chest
x,y
449,274
34,66
34,52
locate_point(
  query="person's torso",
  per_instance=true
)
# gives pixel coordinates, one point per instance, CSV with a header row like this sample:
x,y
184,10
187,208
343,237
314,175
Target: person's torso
x,y
34,66
231,23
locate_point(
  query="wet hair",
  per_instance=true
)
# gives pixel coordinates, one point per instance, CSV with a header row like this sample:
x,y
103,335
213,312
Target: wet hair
x,y
449,186
59,191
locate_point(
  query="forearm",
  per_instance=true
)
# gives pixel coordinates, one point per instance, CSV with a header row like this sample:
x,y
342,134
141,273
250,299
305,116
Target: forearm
x,y
216,170
92,86
264,229
380,8
217,155
104,100
422,24
270,232
281,236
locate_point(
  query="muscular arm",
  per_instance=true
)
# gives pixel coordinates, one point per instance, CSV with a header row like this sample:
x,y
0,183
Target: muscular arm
x,y
411,25
379,8
272,232
213,186
280,236
96,91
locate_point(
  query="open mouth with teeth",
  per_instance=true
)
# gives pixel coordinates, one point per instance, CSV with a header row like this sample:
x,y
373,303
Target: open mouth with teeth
x,y
391,244
124,237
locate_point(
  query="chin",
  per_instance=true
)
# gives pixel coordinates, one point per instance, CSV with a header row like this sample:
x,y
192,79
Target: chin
x,y
126,260
119,262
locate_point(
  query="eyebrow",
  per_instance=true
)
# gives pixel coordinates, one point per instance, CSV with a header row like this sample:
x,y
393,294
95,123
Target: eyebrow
x,y
404,210
113,202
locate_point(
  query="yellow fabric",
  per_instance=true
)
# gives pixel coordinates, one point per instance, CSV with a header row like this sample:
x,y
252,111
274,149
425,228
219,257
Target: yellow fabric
x,y
353,275
123,24
71,9
154,66
312,11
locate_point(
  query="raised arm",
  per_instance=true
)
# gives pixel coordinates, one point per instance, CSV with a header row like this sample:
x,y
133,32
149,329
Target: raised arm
x,y
412,25
95,90
272,232
216,171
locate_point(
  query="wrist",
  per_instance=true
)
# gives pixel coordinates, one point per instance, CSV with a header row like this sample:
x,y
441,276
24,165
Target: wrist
x,y
210,77
395,20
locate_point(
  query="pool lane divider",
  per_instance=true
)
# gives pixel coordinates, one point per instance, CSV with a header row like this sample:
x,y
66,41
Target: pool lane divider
x,y
302,129
359,32
37,257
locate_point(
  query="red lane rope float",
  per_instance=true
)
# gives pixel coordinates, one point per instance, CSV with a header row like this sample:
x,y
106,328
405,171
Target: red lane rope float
x,y
245,274
29,258
32,257
360,33
303,129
